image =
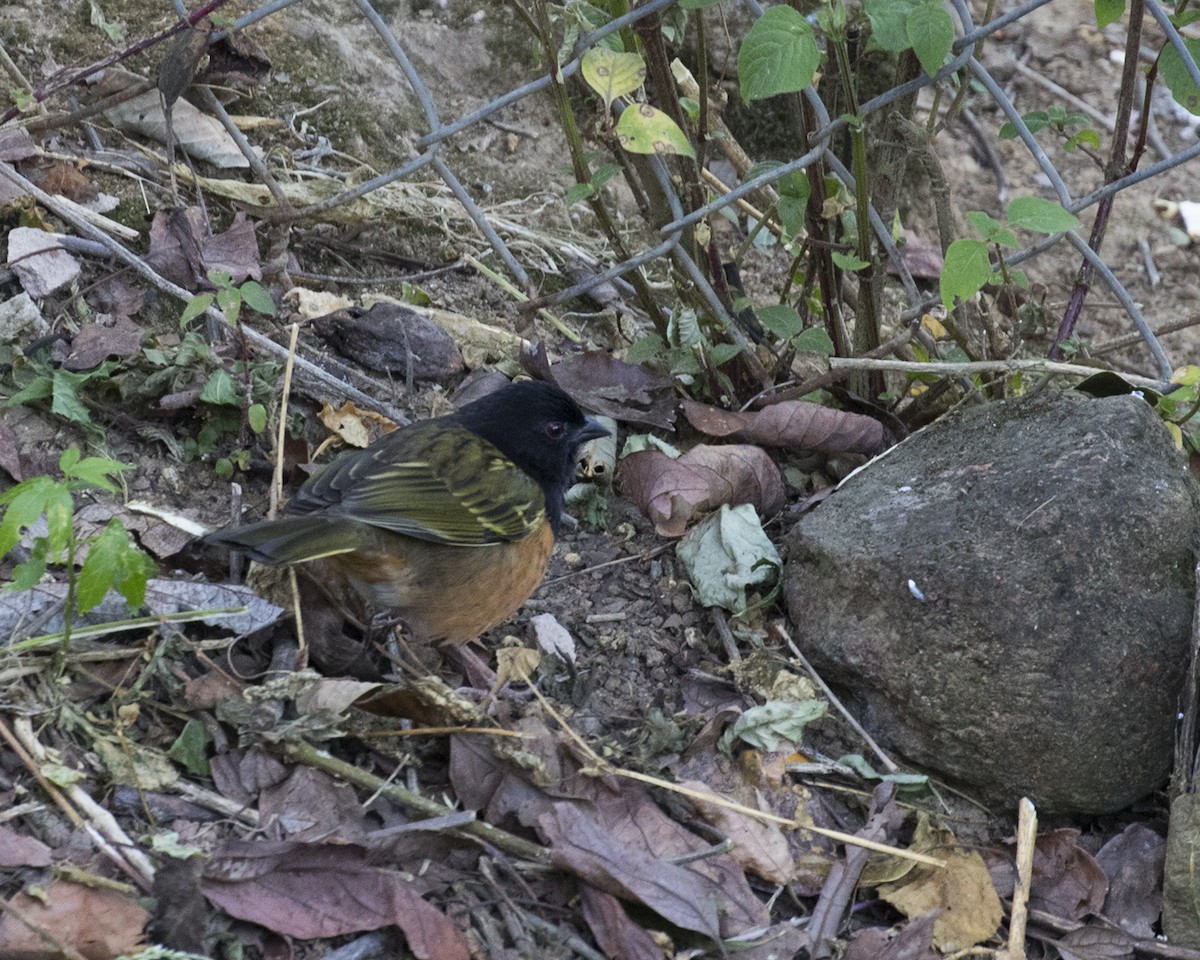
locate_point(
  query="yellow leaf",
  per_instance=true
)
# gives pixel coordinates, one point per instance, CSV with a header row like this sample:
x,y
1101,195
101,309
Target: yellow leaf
x,y
962,891
1176,434
612,74
932,326
646,129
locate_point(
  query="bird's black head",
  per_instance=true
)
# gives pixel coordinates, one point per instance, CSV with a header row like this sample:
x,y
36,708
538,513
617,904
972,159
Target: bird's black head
x,y
539,428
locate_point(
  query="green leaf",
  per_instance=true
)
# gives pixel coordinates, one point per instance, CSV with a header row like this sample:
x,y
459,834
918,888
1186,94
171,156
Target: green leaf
x,y
26,575
230,301
1175,75
255,296
931,33
889,19
965,271
814,340
67,460
1035,120
221,390
776,726
779,55
220,278
1041,216
612,74
95,471
257,417
1108,11
697,4
39,388
60,510
781,320
136,569
102,566
848,261
581,191
794,189
195,308
721,555
723,352
992,230
190,748
24,504
1087,137
66,402
646,129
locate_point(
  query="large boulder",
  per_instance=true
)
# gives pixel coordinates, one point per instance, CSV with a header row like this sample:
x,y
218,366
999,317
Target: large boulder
x,y
1006,598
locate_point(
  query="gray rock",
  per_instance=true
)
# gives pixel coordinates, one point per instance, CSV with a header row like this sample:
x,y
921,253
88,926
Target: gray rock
x,y
1041,647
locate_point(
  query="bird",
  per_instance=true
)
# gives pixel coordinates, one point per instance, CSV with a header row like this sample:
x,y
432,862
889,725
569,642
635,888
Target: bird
x,y
448,523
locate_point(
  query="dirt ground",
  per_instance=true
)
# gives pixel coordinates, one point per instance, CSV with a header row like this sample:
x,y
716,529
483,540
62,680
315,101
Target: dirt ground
x,y
652,667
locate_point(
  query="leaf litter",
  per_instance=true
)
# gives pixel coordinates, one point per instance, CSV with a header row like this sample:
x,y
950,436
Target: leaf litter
x,y
216,729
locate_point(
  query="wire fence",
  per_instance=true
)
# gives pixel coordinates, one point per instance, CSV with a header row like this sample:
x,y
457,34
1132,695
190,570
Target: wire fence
x,y
431,158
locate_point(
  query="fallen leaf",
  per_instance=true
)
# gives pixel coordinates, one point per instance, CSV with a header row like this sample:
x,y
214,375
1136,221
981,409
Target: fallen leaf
x,y
912,940
96,342
1067,880
310,891
726,553
615,933
553,637
1133,863
675,893
627,392
20,851
962,890
97,922
1095,941
792,425
758,845
669,491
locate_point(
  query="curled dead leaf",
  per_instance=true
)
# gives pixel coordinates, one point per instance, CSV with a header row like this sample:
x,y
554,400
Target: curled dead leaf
x,y
792,425
669,491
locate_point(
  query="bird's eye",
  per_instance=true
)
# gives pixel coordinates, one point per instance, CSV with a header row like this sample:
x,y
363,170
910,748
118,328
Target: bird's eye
x,y
555,429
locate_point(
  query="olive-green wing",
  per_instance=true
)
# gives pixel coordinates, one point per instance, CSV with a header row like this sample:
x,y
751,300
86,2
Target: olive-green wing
x,y
433,480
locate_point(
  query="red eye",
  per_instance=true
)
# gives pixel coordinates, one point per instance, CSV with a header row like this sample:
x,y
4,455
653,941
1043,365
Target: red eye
x,y
555,429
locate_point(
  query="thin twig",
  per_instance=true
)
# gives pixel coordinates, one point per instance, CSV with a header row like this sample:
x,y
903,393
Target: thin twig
x,y
987,366
884,759
1026,837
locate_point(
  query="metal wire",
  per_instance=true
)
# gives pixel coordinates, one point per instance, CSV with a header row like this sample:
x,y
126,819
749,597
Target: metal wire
x,y
428,158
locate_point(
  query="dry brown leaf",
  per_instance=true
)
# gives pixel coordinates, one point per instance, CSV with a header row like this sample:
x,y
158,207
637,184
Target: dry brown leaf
x,y
310,891
310,806
1133,863
677,894
962,890
20,851
758,845
792,425
621,828
1096,941
615,933
1067,880
670,491
96,342
912,940
603,384
98,923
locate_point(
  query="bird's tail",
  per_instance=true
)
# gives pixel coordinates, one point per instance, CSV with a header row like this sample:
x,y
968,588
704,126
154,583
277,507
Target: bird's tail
x,y
292,539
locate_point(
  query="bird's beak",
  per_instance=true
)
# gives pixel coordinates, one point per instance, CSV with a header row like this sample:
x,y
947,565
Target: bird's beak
x,y
591,430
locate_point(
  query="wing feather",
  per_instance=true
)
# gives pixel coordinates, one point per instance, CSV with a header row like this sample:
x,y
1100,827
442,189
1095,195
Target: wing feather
x,y
434,481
